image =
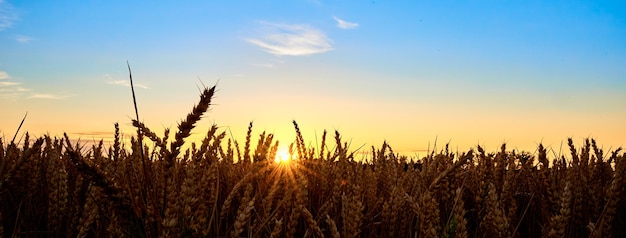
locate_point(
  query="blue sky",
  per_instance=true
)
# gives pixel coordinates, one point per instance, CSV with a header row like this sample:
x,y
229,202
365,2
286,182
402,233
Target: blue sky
x,y
479,72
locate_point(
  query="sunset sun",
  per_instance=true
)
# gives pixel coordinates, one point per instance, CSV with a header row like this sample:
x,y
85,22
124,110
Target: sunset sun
x,y
283,155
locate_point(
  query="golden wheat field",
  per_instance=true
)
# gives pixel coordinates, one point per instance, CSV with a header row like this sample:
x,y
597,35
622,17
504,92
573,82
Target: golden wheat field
x,y
160,187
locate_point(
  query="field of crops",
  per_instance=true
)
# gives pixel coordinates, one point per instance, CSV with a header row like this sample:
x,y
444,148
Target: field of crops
x,y
156,187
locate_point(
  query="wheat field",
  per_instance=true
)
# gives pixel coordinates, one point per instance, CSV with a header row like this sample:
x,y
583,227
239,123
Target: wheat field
x,y
159,186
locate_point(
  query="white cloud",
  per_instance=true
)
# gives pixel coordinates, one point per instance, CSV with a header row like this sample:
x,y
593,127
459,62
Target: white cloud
x,y
21,89
127,84
46,96
23,39
10,89
8,83
344,24
3,75
14,90
7,15
291,39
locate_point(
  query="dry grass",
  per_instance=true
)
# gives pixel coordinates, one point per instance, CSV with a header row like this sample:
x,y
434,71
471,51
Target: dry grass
x,y
51,188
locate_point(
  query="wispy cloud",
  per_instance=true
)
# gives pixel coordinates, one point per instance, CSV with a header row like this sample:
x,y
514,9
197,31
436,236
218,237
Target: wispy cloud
x,y
127,84
109,80
10,90
344,24
7,15
3,75
291,39
23,39
8,83
7,90
13,90
47,96
21,89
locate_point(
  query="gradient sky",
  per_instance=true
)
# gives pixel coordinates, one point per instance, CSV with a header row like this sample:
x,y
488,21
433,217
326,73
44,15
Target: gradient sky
x,y
409,72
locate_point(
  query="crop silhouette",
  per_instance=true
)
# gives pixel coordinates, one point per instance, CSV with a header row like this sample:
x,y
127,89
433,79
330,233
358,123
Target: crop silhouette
x,y
153,187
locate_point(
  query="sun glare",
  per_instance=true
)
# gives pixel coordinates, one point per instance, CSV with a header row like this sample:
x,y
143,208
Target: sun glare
x,y
282,155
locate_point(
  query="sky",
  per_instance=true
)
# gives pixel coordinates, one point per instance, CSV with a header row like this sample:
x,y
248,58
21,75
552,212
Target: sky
x,y
413,73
